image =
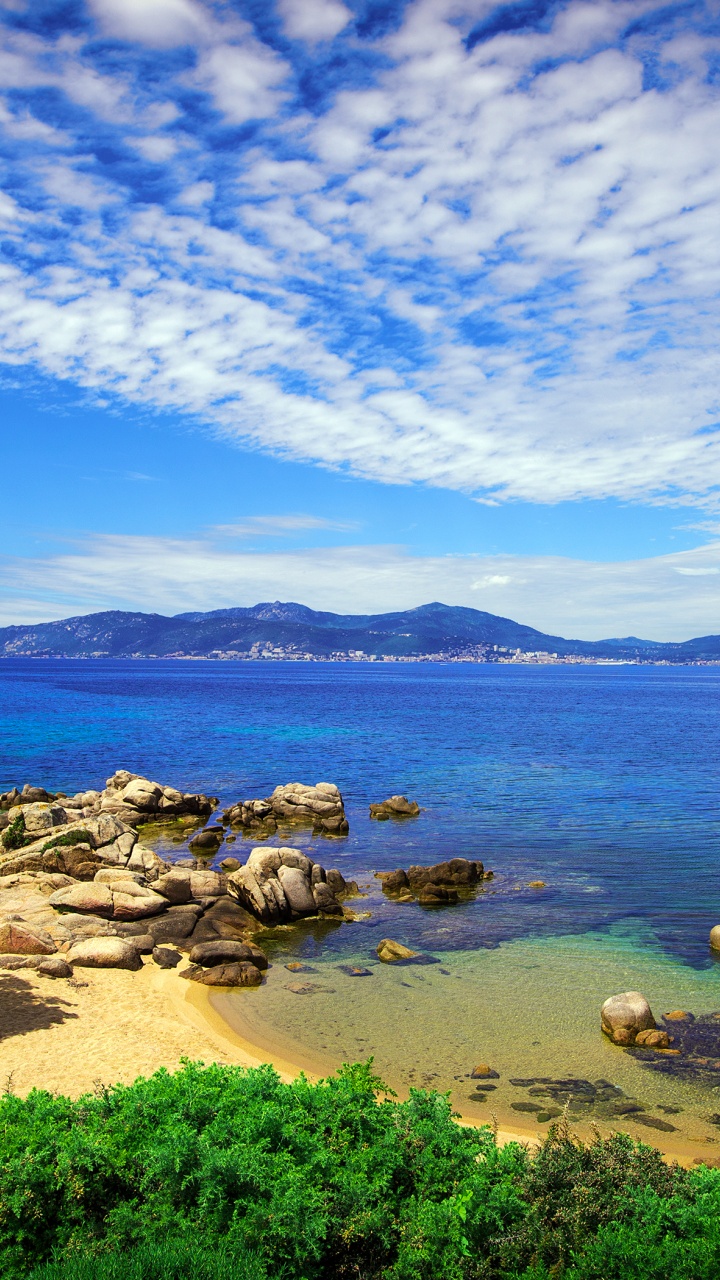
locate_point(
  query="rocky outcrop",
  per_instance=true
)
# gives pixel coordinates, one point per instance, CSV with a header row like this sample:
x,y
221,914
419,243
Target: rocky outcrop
x,y
435,885
624,1017
320,806
137,800
280,885
17,939
239,974
394,807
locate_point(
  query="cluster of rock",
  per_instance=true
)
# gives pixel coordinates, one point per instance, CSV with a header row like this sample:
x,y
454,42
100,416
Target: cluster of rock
x,y
278,886
394,807
435,885
33,812
226,964
320,806
628,1020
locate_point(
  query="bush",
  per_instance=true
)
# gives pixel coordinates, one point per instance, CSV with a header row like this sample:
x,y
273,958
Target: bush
x,y
228,1173
68,838
14,836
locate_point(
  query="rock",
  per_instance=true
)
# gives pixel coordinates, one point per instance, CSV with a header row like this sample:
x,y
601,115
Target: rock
x,y
280,885
54,967
137,800
653,1122
624,1015
653,1039
392,880
296,966
457,871
320,806
132,901
91,899
436,895
715,937
207,884
484,1072
536,884
395,807
227,952
389,952
325,900
678,1015
239,974
17,938
175,886
230,864
353,970
113,875
207,841
173,926
105,953
335,881
166,958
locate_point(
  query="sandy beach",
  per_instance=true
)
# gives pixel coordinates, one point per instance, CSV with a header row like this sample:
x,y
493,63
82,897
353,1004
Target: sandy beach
x,y
110,1026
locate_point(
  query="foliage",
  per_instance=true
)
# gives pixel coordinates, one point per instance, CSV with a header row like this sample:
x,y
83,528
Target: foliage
x,y
68,838
228,1173
14,837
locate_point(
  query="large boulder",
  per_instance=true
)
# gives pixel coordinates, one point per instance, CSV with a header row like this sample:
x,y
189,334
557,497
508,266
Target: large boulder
x,y
105,953
624,1016
394,807
320,806
118,900
18,938
277,886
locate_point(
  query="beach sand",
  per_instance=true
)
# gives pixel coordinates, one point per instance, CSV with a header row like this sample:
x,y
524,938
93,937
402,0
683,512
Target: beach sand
x,y
110,1026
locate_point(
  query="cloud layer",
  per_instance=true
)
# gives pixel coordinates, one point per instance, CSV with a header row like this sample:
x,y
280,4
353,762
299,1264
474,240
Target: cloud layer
x,y
666,598
467,245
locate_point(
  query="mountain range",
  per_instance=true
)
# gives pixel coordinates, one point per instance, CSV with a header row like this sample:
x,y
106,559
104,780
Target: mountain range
x,y
450,630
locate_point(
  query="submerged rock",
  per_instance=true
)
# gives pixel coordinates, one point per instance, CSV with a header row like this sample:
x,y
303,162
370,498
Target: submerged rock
x,y
389,951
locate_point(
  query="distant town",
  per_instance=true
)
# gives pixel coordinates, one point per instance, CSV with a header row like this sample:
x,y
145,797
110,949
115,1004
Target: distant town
x,y
472,653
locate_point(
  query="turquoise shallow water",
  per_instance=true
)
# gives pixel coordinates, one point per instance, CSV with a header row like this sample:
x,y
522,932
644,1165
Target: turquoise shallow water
x,y
602,782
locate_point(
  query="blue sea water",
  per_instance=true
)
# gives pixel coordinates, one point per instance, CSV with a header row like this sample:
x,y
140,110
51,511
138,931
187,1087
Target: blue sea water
x,y
604,782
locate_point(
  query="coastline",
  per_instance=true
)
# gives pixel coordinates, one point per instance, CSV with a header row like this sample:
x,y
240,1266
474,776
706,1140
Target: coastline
x,y
111,1026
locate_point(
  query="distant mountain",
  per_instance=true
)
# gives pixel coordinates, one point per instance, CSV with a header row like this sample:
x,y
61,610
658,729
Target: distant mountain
x,y
294,628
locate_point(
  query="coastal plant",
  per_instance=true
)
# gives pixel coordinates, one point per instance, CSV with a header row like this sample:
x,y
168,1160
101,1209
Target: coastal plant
x,y
224,1172
68,838
14,836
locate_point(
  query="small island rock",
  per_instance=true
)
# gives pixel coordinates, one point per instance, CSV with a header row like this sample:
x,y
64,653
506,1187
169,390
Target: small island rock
x,y
394,807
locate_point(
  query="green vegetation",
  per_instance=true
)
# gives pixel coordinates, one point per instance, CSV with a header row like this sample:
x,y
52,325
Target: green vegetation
x,y
14,836
68,838
220,1173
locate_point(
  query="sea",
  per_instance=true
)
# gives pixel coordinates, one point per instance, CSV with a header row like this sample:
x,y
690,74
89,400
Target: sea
x,y
601,782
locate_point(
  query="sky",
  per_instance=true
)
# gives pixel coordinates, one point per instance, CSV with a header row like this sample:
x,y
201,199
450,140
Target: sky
x,y
364,305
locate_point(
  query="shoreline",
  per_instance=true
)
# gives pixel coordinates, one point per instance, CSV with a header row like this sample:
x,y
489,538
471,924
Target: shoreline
x,y
108,1027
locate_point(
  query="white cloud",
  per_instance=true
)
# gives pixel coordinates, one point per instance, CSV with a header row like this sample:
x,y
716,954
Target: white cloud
x,y
158,23
313,20
573,598
277,526
529,259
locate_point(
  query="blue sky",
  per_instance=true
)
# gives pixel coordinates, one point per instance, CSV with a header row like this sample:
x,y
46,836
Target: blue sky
x,y
362,304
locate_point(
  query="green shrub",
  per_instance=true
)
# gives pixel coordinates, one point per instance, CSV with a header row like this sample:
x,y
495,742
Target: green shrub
x,y
14,836
68,838
228,1173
